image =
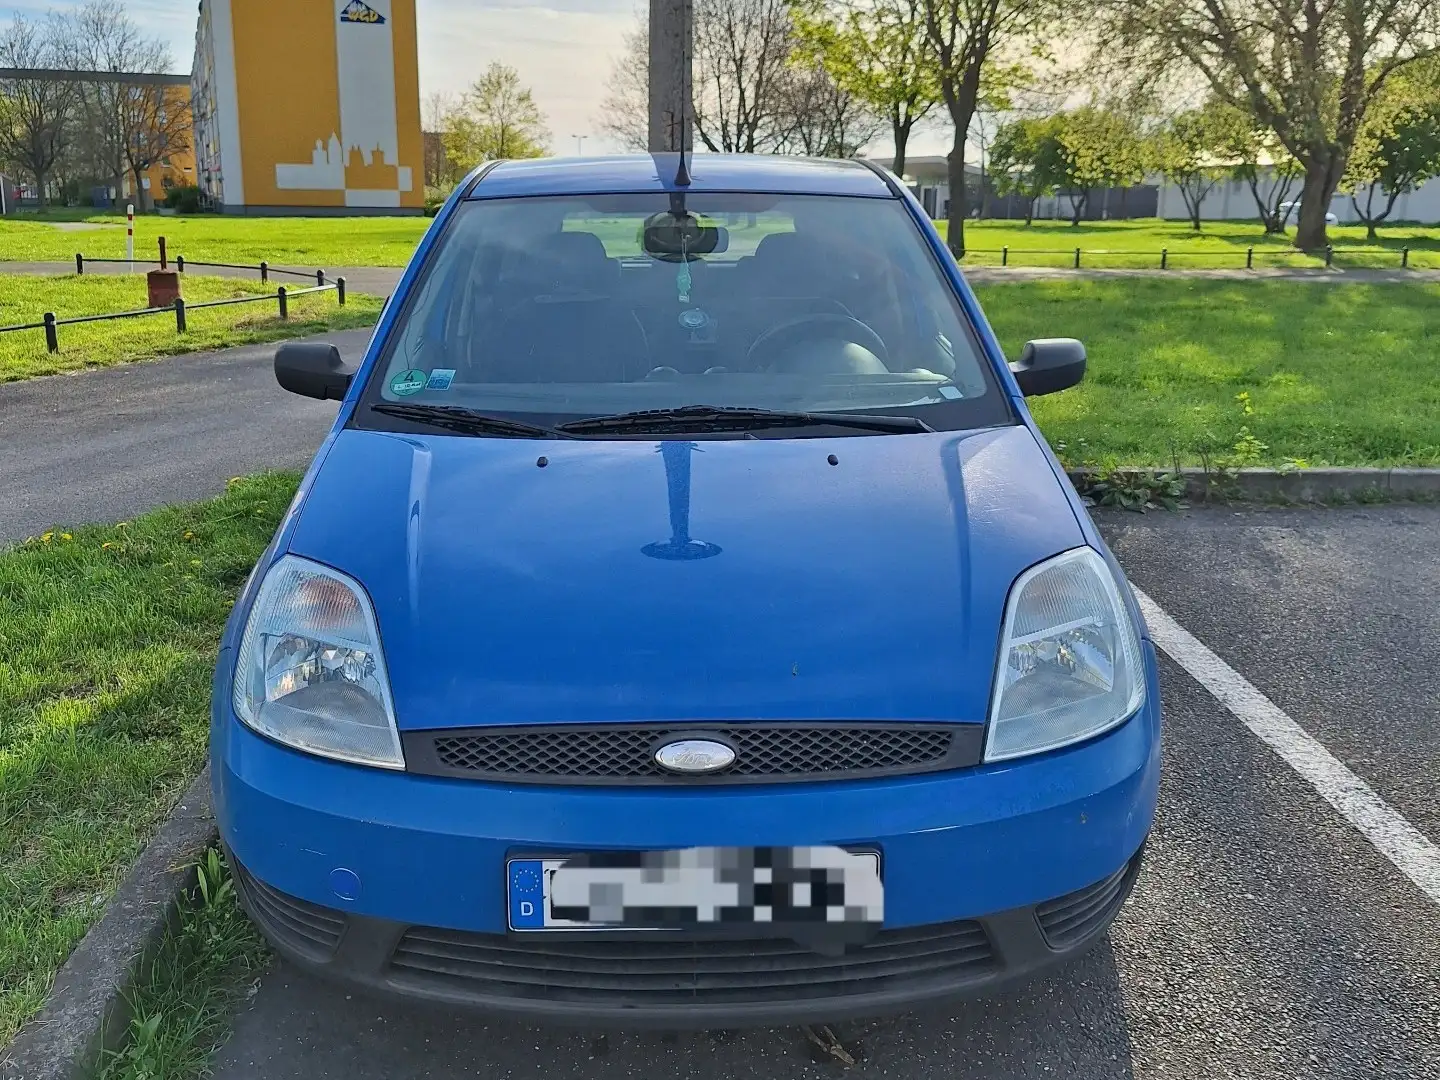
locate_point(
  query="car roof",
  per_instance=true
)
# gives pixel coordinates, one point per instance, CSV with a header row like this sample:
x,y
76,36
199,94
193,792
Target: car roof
x,y
656,172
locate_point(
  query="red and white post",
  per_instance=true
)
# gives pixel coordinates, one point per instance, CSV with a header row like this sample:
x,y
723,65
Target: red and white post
x,y
130,235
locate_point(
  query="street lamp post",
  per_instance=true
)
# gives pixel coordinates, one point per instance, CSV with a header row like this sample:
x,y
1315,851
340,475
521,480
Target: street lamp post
x,y
579,144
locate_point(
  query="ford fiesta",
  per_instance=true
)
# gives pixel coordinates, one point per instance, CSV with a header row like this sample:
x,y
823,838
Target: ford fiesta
x,y
684,623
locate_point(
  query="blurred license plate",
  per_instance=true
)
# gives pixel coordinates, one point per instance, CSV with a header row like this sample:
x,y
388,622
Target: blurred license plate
x,y
695,887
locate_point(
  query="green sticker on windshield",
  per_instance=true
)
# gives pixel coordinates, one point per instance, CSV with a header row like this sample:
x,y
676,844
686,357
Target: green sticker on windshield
x,y
409,382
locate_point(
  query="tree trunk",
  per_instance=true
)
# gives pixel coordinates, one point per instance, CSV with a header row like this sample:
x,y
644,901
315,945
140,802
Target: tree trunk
x,y
1078,208
956,218
902,136
1314,202
1029,211
40,187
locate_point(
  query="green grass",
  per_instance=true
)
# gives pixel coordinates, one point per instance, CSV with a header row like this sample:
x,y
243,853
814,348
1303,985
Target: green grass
x,y
181,1004
1335,374
24,298
1219,245
107,644
361,241
305,243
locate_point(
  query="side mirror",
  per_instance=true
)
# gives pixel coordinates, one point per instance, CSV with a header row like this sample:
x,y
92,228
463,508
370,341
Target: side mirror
x,y
312,369
1048,365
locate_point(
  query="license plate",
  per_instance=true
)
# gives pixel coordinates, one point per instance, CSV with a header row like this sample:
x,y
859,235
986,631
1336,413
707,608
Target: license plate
x,y
696,888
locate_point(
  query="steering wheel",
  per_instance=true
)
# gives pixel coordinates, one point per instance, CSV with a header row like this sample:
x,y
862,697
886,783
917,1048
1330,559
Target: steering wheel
x,y
843,327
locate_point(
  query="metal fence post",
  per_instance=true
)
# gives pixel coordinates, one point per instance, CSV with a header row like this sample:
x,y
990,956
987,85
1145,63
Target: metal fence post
x,y
1077,258
1329,255
1250,258
163,262
340,290
1164,257
1004,256
180,315
1404,258
180,263
52,343
319,277
79,263
264,270
284,307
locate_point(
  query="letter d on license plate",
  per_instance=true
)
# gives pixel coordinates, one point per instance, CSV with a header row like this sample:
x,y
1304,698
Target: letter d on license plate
x,y
696,887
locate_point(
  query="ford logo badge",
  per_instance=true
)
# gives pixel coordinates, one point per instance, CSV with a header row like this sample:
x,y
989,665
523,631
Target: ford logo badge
x,y
694,756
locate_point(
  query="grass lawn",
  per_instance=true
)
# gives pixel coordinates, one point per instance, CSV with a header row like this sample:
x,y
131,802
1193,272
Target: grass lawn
x,y
331,242
1220,245
303,243
107,644
24,298
1334,374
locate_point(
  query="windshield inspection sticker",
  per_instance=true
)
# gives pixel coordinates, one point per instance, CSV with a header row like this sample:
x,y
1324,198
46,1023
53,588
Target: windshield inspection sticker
x,y
440,379
410,381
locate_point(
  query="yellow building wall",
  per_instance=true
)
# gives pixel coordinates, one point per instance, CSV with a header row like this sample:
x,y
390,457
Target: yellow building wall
x,y
328,102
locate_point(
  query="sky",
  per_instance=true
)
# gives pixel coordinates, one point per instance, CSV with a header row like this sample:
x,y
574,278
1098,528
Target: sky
x,y
561,48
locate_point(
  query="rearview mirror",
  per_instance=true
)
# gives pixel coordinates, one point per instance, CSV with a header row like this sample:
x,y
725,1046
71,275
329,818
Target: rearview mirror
x,y
312,369
677,237
1048,365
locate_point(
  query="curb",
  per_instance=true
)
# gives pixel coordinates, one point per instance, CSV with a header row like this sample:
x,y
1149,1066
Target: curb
x,y
1329,484
87,1011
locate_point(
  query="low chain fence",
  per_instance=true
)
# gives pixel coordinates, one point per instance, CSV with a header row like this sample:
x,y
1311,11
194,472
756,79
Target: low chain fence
x,y
1164,259
180,310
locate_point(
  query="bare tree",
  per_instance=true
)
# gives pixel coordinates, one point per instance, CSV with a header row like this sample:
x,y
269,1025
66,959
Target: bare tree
x,y
819,118
742,59
436,113
37,126
131,124
1308,70
625,109
971,39
742,54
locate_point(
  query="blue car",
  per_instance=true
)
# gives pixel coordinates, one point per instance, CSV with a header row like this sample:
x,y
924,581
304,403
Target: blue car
x,y
684,623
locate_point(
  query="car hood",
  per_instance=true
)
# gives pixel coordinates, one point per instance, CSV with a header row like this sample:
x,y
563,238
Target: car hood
x,y
798,579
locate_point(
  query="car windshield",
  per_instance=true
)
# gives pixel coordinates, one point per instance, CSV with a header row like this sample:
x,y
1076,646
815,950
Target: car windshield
x,y
553,309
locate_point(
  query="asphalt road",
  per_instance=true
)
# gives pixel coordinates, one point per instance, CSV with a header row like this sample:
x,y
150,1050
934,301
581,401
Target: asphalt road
x,y
104,445
1266,938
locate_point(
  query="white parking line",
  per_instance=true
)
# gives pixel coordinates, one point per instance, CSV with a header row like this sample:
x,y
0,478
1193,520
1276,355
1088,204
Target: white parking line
x,y
1413,854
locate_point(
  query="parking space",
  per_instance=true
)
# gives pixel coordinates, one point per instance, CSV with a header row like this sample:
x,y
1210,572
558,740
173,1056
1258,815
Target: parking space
x,y
1267,936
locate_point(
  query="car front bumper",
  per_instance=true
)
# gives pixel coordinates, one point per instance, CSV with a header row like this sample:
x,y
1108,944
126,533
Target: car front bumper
x,y
395,882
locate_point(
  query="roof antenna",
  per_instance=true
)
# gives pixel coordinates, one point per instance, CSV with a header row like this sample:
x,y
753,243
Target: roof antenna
x,y
682,171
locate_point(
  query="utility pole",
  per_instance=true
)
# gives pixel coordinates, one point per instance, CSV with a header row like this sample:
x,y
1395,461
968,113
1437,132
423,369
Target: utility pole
x,y
671,52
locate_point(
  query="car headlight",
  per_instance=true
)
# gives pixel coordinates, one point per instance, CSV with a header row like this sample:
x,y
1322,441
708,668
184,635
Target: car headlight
x,y
1070,664
310,673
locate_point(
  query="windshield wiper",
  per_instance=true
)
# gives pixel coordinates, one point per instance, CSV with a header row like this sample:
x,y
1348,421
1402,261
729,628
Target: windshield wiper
x,y
722,418
467,421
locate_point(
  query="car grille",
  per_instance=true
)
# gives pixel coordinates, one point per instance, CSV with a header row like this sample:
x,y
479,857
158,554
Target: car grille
x,y
676,971
305,927
613,754
1076,915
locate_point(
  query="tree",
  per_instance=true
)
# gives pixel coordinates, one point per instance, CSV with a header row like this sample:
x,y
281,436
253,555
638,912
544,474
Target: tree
x,y
1015,160
742,57
1397,150
970,39
129,125
440,171
817,117
742,77
1258,159
1094,148
37,121
497,118
1188,151
1308,70
625,109
876,51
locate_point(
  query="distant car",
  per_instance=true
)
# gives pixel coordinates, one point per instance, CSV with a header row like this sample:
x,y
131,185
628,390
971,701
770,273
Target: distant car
x,y
1291,210
684,623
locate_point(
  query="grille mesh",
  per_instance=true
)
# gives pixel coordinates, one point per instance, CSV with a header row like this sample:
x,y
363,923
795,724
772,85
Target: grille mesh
x,y
1074,916
625,754
307,928
680,972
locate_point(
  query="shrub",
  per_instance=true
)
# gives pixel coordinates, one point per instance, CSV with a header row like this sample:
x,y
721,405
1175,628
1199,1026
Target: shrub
x,y
185,199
